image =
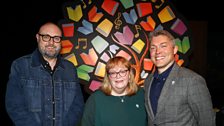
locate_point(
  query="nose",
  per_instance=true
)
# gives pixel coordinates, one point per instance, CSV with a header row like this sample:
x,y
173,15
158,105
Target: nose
x,y
118,74
51,41
158,50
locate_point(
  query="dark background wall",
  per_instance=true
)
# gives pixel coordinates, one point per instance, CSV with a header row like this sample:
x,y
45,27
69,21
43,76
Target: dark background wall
x,y
21,20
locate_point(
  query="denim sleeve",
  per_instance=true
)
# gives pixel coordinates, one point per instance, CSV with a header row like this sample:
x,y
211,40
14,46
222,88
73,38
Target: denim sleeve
x,y
15,100
76,109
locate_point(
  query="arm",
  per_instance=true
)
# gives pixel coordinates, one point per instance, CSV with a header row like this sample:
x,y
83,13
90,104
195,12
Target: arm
x,y
76,109
200,102
16,106
89,112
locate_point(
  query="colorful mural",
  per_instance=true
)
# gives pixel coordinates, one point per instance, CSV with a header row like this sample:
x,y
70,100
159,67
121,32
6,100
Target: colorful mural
x,y
97,30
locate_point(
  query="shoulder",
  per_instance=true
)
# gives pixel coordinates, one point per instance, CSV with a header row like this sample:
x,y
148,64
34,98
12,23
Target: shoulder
x,y
140,92
68,65
96,95
183,72
189,73
66,62
188,77
22,59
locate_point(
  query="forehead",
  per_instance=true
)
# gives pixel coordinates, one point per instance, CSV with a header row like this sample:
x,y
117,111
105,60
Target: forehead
x,y
118,66
161,39
50,29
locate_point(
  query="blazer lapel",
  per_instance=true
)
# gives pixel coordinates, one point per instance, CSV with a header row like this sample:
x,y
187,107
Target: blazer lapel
x,y
170,81
148,86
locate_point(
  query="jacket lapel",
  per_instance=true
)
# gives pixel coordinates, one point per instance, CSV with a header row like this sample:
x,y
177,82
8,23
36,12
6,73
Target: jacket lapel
x,y
170,81
148,86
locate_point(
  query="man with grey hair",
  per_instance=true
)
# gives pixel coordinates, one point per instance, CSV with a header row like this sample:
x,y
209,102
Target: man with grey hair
x,y
43,88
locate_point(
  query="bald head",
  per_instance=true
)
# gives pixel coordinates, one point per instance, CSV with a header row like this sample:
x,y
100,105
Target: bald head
x,y
49,40
50,29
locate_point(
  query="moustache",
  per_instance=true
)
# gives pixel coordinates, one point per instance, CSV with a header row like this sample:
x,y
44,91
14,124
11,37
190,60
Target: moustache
x,y
52,46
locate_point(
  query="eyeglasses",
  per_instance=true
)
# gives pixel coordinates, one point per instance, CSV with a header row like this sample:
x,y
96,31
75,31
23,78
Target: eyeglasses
x,y
47,38
121,73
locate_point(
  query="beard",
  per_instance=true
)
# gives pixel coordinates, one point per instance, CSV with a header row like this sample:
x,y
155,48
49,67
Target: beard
x,y
50,53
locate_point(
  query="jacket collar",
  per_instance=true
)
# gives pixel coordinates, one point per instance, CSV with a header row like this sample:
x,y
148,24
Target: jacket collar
x,y
36,59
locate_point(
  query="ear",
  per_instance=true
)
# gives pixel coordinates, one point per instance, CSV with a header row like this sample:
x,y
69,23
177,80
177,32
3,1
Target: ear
x,y
37,37
175,49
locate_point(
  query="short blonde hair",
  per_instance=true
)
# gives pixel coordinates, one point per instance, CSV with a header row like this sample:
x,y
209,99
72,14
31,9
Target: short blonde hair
x,y
116,61
161,32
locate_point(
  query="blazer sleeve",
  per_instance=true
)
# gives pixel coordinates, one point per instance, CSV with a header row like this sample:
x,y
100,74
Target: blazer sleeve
x,y
200,102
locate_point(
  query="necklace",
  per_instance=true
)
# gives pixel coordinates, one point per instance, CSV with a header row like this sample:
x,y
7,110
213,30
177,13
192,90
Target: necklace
x,y
122,98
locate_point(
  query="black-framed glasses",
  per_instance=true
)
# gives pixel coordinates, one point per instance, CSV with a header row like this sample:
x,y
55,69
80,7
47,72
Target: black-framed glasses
x,y
121,73
47,38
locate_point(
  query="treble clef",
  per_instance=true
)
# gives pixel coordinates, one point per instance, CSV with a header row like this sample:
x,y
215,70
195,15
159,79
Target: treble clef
x,y
117,21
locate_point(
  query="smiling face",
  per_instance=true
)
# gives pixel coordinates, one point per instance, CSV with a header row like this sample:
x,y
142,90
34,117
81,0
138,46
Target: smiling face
x,y
119,79
162,51
49,49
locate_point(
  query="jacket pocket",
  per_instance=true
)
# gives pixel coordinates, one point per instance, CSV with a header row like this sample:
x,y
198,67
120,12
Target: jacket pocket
x,y
69,94
32,92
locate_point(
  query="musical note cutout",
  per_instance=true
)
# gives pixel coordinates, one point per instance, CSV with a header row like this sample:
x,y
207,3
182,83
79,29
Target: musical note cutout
x,y
137,27
90,1
84,4
158,6
117,21
83,40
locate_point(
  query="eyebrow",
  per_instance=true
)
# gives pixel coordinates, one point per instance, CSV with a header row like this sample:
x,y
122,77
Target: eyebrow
x,y
49,35
159,44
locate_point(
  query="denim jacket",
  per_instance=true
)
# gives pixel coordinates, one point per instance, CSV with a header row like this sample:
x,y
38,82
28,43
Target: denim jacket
x,y
36,98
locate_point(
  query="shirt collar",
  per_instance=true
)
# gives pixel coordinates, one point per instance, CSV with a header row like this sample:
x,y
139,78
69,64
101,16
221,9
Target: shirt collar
x,y
44,62
164,74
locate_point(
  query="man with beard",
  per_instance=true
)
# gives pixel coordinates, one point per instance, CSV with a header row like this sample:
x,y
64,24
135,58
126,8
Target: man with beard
x,y
43,88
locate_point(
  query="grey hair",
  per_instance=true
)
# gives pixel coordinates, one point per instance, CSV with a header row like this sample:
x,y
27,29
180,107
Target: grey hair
x,y
162,32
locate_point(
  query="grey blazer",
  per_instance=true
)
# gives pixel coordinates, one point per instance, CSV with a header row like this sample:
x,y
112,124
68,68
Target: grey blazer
x,y
184,100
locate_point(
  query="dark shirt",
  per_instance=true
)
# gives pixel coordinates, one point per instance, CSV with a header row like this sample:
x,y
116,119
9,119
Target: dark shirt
x,y
156,87
41,98
46,65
